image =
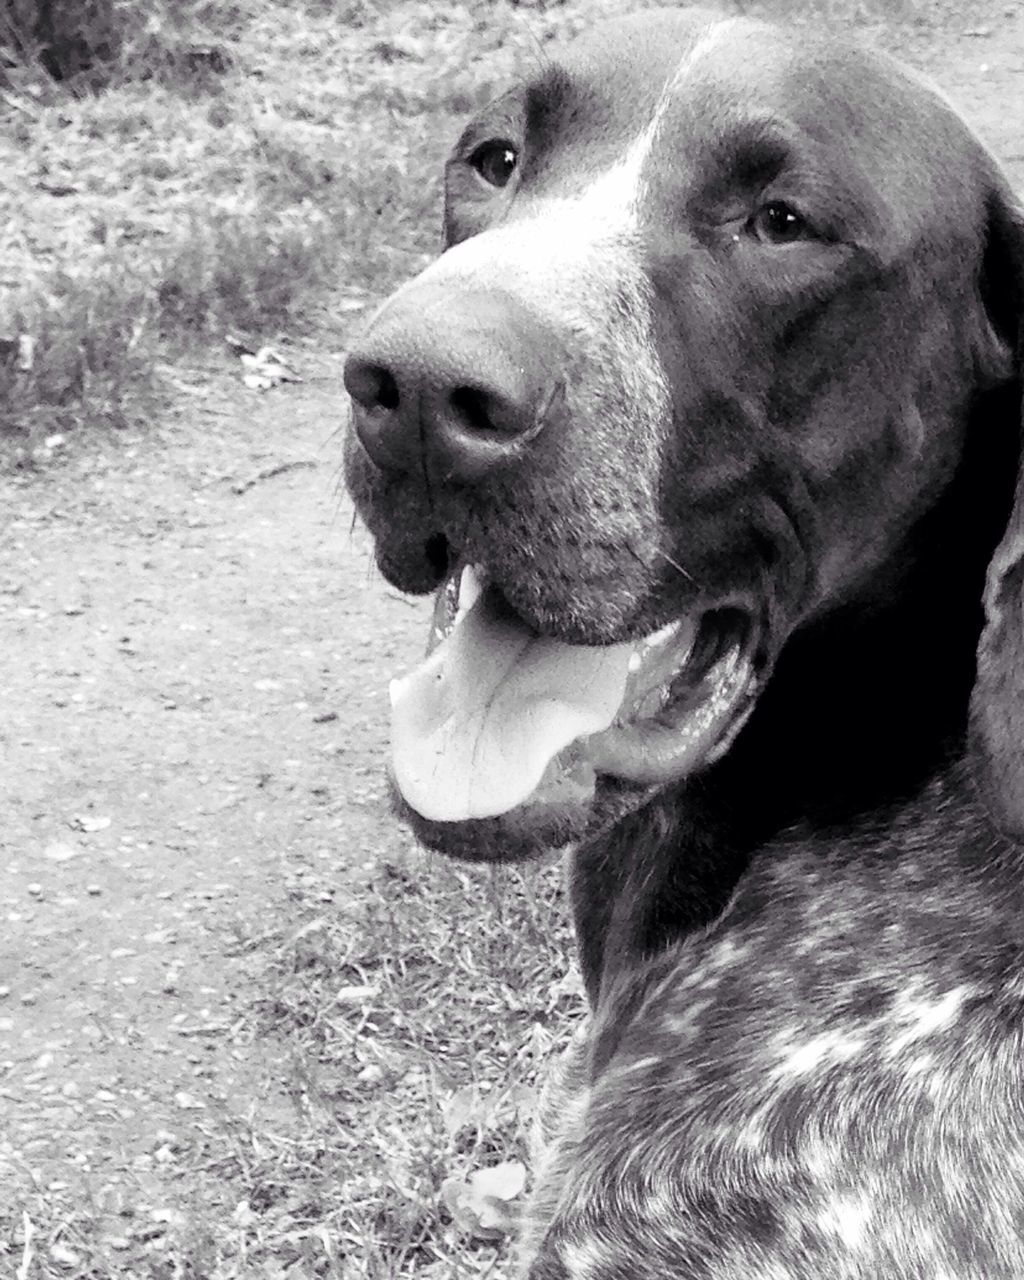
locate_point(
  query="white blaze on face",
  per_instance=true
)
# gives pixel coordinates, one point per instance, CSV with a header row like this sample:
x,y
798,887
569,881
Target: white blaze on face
x,y
475,727
575,260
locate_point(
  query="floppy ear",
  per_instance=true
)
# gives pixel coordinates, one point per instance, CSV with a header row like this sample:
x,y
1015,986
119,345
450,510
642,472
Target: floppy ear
x,y
997,702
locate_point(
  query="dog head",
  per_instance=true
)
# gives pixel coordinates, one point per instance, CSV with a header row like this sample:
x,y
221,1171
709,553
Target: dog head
x,y
714,315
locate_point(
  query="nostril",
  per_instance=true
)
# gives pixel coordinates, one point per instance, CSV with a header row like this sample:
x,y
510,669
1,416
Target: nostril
x,y
438,554
387,392
371,385
473,409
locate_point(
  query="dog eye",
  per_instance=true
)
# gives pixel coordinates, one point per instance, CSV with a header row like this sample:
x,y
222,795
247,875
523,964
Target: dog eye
x,y
495,162
779,223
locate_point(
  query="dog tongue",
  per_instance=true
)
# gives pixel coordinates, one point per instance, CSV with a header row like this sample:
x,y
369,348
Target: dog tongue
x,y
476,725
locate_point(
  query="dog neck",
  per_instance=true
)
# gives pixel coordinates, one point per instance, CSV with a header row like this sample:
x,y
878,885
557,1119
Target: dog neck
x,y
865,708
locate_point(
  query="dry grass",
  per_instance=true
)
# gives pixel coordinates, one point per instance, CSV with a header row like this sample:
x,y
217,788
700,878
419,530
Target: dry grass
x,y
417,1022
420,1023
154,214
243,165
91,356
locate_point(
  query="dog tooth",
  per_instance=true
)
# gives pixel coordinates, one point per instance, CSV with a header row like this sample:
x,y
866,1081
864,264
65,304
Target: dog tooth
x,y
661,636
471,584
657,639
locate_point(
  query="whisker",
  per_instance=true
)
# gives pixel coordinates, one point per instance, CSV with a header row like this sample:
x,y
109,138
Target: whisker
x,y
678,567
675,563
557,395
542,59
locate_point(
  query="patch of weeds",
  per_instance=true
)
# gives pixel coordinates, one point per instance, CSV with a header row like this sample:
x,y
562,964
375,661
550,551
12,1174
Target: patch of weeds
x,y
293,163
96,337
68,42
409,1031
349,13
377,199
419,1022
90,352
244,272
182,46
93,44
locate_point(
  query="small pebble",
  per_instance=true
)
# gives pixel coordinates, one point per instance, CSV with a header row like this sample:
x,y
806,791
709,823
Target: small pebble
x,y
63,1256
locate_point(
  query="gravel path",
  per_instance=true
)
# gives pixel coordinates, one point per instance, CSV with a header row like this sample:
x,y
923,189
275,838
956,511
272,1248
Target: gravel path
x,y
194,668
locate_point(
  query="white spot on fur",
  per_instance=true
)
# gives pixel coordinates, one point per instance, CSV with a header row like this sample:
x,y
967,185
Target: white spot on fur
x,y
725,954
582,1258
681,1025
660,1206
821,1159
847,1218
923,1017
821,1050
639,1064
750,1137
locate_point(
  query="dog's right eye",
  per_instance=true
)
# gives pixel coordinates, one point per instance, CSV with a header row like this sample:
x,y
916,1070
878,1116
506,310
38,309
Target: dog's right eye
x,y
779,223
495,162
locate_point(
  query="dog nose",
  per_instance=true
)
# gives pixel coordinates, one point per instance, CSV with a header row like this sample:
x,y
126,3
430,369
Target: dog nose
x,y
460,384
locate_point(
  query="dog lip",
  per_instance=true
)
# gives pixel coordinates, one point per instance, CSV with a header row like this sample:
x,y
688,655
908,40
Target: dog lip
x,y
507,718
720,635
689,720
466,580
476,725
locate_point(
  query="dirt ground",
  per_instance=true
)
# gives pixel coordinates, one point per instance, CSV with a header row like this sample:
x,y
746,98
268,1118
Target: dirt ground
x,y
195,663
194,669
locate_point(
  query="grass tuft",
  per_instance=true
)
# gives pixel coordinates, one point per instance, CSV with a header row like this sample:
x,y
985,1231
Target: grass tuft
x,y
231,271
91,356
138,222
410,1029
420,1022
90,45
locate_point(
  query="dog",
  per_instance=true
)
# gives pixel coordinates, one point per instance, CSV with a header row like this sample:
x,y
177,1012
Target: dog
x,y
705,428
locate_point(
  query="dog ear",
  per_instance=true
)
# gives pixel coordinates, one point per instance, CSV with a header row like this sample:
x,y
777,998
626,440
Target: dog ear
x,y
997,701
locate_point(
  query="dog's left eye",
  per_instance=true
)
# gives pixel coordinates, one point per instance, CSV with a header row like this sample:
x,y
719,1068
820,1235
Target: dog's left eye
x,y
779,223
495,162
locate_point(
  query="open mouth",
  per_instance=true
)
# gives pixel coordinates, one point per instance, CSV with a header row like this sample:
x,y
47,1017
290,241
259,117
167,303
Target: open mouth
x,y
499,717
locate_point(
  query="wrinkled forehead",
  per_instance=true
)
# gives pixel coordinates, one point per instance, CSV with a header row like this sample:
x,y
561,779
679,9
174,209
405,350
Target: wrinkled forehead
x,y
691,88
616,80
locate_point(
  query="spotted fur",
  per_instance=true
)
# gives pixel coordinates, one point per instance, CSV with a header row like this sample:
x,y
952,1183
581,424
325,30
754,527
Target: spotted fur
x,y
825,1081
